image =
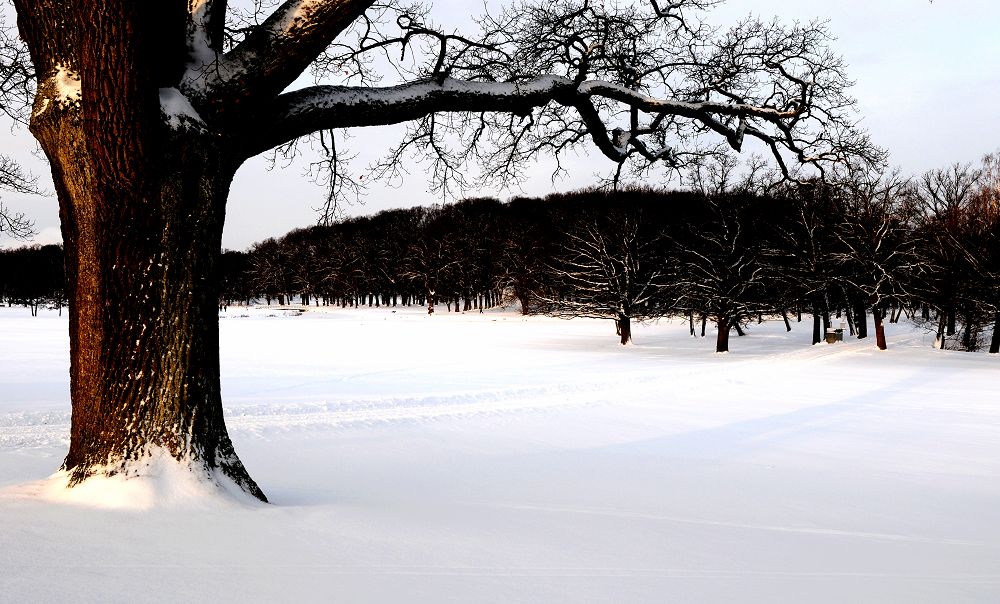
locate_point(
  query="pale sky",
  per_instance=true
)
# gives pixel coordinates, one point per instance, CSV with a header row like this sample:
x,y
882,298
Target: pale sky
x,y
928,84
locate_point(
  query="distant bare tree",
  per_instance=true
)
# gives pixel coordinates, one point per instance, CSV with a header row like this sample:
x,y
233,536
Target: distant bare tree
x,y
802,251
722,264
946,220
432,258
609,266
988,200
877,251
270,271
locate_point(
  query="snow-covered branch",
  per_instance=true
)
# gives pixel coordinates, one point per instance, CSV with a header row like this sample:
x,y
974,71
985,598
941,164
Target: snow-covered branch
x,y
205,26
274,53
317,108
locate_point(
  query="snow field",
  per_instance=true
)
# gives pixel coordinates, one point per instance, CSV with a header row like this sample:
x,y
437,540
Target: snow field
x,y
492,458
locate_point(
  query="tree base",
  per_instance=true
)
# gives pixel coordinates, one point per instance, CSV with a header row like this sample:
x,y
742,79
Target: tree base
x,y
155,479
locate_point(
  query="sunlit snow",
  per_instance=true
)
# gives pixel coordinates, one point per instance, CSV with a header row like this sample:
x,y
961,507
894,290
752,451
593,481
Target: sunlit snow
x,y
492,458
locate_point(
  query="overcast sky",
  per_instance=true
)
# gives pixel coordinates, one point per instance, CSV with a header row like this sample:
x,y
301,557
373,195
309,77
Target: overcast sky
x,y
928,85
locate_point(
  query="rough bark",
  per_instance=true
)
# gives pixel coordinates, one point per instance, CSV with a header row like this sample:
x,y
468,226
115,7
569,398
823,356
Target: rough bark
x,y
141,208
143,313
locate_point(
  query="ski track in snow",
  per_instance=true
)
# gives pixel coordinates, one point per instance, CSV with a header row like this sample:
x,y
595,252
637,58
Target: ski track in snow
x,y
814,531
29,430
49,429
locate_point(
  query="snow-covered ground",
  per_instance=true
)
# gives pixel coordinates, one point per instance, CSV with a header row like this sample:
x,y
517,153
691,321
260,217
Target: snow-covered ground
x,y
491,458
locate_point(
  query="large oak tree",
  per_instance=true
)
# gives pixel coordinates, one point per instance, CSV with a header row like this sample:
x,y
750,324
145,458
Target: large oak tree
x,y
146,109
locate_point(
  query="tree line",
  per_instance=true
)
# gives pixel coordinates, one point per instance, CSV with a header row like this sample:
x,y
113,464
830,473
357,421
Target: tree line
x,y
33,276
728,251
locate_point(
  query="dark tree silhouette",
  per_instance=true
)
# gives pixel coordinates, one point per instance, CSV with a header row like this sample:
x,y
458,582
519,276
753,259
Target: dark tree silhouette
x,y
804,248
32,276
722,262
952,222
988,201
609,264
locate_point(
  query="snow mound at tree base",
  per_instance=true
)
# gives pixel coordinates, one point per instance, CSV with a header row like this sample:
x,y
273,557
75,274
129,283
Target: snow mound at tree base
x,y
156,481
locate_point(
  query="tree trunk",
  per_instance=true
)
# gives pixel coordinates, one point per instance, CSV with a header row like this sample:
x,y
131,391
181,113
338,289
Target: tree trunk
x,y
862,319
967,332
624,326
141,266
722,341
816,326
995,342
879,327
939,340
784,316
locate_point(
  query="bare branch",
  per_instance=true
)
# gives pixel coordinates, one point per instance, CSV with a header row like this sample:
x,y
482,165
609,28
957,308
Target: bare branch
x,y
647,85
